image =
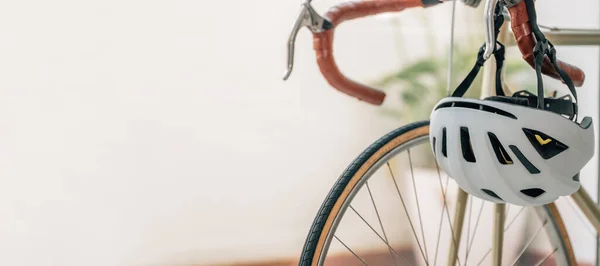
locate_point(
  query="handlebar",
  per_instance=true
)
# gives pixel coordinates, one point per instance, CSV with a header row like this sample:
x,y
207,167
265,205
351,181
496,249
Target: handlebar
x,y
323,44
323,40
323,34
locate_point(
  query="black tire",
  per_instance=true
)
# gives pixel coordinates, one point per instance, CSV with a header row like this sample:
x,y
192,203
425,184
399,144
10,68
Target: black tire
x,y
332,206
312,241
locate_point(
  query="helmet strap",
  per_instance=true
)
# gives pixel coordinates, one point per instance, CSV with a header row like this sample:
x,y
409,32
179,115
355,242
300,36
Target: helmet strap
x,y
466,83
542,49
498,53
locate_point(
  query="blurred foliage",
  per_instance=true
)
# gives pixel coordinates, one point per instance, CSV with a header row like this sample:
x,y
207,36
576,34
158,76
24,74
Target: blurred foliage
x,y
420,84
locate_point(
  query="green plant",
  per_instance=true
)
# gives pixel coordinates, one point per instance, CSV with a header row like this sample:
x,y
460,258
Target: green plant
x,y
420,84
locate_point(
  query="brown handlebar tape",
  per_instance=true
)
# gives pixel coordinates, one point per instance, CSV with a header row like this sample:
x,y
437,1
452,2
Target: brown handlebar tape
x,y
526,42
323,43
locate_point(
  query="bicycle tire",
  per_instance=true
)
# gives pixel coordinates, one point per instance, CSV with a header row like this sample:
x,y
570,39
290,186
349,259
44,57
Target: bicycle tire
x,y
370,158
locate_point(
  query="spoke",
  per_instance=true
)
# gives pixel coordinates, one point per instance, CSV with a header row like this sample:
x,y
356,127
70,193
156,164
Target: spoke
x,y
451,56
579,216
515,218
469,246
418,207
505,230
406,211
469,226
530,242
447,212
445,189
355,255
379,219
378,235
540,263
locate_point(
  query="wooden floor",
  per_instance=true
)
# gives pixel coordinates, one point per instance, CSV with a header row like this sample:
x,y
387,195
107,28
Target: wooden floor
x,y
383,258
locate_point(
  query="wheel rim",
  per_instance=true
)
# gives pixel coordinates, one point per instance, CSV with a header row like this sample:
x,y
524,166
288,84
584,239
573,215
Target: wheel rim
x,y
563,254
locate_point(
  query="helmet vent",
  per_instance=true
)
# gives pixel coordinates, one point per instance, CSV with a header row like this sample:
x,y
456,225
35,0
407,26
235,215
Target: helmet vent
x,y
533,192
545,145
465,142
528,165
501,153
476,106
433,145
444,152
491,193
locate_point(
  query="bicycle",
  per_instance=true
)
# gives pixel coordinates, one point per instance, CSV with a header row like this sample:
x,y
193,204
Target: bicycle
x,y
382,153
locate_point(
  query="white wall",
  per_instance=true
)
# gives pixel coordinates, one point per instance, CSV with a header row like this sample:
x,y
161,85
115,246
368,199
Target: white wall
x,y
157,132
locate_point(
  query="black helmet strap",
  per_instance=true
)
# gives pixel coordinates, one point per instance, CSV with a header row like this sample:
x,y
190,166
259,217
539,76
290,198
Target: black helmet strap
x,y
543,48
499,51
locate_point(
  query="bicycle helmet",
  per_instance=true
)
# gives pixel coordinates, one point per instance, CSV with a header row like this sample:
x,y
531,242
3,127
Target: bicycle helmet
x,y
506,152
522,149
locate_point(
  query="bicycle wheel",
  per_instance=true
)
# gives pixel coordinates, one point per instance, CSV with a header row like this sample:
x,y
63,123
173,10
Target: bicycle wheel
x,y
360,174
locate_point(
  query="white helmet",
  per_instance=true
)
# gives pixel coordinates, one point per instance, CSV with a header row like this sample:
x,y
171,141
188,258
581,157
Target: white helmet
x,y
506,152
521,149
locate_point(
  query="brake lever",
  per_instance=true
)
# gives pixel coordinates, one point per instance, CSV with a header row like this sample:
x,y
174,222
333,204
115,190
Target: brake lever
x,y
313,21
316,23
